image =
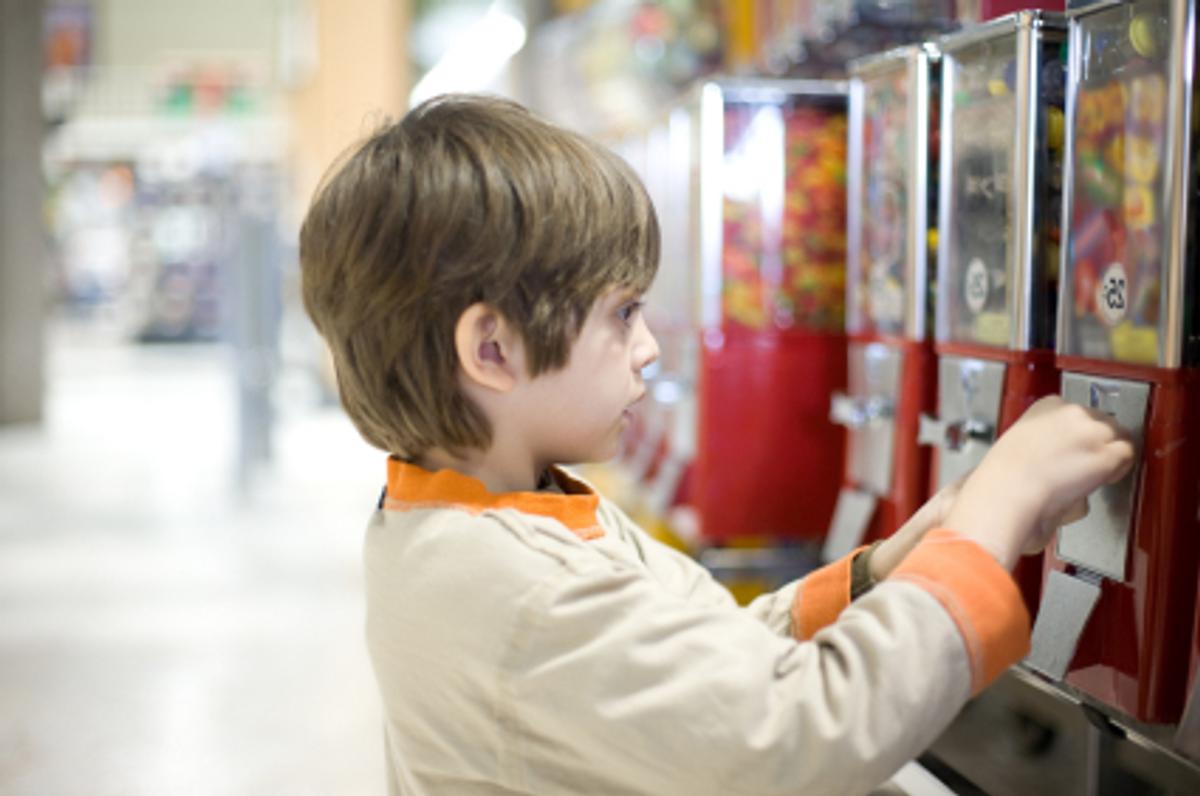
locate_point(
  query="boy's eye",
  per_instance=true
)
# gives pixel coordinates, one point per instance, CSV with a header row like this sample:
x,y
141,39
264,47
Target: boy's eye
x,y
628,311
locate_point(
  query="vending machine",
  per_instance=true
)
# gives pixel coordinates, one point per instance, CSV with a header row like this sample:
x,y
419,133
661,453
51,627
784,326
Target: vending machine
x,y
771,300
1120,584
893,157
998,237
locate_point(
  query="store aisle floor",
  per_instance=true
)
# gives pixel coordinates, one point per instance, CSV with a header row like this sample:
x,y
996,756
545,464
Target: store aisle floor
x,y
161,630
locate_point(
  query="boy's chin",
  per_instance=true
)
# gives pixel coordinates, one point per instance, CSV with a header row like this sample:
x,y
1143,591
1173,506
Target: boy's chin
x,y
598,455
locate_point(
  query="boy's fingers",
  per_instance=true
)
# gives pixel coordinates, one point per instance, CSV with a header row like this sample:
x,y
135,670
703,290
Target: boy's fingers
x,y
1122,452
1074,513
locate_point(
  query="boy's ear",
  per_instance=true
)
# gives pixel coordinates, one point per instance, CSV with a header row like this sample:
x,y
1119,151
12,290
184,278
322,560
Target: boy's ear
x,y
488,348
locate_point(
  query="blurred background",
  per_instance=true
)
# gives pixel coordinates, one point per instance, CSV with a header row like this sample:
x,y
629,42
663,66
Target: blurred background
x,y
181,498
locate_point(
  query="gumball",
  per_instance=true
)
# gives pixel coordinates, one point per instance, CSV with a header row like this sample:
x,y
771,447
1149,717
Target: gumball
x,y
1103,187
1085,280
1056,126
1141,159
1092,233
1138,206
1142,35
1148,100
1090,115
1054,81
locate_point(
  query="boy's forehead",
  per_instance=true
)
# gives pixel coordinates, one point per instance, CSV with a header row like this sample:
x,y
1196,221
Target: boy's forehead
x,y
621,292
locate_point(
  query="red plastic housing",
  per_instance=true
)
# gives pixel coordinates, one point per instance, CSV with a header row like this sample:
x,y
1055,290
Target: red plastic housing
x,y
769,460
1135,651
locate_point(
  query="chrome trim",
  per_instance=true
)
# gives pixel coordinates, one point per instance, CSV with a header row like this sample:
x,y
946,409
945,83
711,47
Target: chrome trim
x,y
1001,26
750,89
868,65
712,151
854,196
945,194
917,256
1180,65
1020,199
1065,293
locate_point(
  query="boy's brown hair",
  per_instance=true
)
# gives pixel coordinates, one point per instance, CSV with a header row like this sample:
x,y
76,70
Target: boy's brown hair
x,y
466,199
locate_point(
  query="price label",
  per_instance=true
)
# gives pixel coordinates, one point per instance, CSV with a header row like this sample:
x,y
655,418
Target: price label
x,y
1112,294
976,285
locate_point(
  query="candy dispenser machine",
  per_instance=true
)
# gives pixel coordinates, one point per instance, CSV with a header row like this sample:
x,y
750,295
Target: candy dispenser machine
x,y
1121,583
893,133
770,306
998,238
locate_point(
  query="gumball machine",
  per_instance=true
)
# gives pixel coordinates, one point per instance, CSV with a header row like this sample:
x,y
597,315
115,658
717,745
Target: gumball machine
x,y
771,279
893,132
998,237
1120,584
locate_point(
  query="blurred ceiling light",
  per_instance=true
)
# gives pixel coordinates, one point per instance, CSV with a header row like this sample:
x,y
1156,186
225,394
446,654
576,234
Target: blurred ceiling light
x,y
476,57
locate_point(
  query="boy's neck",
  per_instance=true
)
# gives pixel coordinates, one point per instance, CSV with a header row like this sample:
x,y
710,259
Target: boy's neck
x,y
498,472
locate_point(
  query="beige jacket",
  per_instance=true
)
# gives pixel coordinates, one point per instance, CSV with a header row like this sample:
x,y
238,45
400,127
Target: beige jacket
x,y
541,643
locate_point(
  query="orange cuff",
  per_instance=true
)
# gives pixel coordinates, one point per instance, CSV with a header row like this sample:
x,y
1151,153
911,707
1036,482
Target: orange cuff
x,y
980,596
822,595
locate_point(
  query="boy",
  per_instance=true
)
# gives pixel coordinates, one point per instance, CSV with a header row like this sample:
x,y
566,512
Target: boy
x,y
477,273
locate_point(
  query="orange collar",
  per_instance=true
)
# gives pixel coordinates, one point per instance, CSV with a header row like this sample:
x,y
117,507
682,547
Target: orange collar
x,y
413,487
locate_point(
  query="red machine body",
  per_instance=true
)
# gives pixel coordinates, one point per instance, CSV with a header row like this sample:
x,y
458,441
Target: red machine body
x,y
771,282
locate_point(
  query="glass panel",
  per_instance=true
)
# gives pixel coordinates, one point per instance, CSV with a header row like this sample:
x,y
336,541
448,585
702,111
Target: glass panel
x,y
784,215
1116,229
977,282
878,282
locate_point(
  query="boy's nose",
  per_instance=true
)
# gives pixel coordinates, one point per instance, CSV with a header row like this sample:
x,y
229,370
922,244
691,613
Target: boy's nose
x,y
645,347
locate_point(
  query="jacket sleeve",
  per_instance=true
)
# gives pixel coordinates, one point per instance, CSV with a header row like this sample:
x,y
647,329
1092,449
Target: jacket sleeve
x,y
797,609
615,684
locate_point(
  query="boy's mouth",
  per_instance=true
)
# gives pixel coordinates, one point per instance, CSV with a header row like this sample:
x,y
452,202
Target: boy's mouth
x,y
627,414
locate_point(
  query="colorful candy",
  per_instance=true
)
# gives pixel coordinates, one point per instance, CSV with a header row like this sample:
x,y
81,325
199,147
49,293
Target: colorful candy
x,y
1115,245
790,270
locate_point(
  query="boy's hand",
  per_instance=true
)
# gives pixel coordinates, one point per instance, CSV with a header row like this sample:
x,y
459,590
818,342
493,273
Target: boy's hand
x,y
931,515
1036,476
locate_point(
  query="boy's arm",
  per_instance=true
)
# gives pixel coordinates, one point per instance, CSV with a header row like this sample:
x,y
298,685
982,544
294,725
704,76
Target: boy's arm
x,y
805,605
628,686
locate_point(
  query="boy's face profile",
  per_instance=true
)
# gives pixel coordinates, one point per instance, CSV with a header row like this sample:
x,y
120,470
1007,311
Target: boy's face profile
x,y
577,413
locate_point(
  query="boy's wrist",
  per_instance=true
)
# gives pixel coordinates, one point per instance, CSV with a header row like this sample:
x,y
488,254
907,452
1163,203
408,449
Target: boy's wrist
x,y
1000,537
862,575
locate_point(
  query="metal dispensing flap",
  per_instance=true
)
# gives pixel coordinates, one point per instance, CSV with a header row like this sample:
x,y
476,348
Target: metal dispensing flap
x,y
888,192
868,414
772,204
851,516
969,394
1126,187
1100,541
1065,608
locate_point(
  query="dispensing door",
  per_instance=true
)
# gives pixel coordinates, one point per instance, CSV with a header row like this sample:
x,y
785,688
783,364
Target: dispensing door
x,y
868,414
969,394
